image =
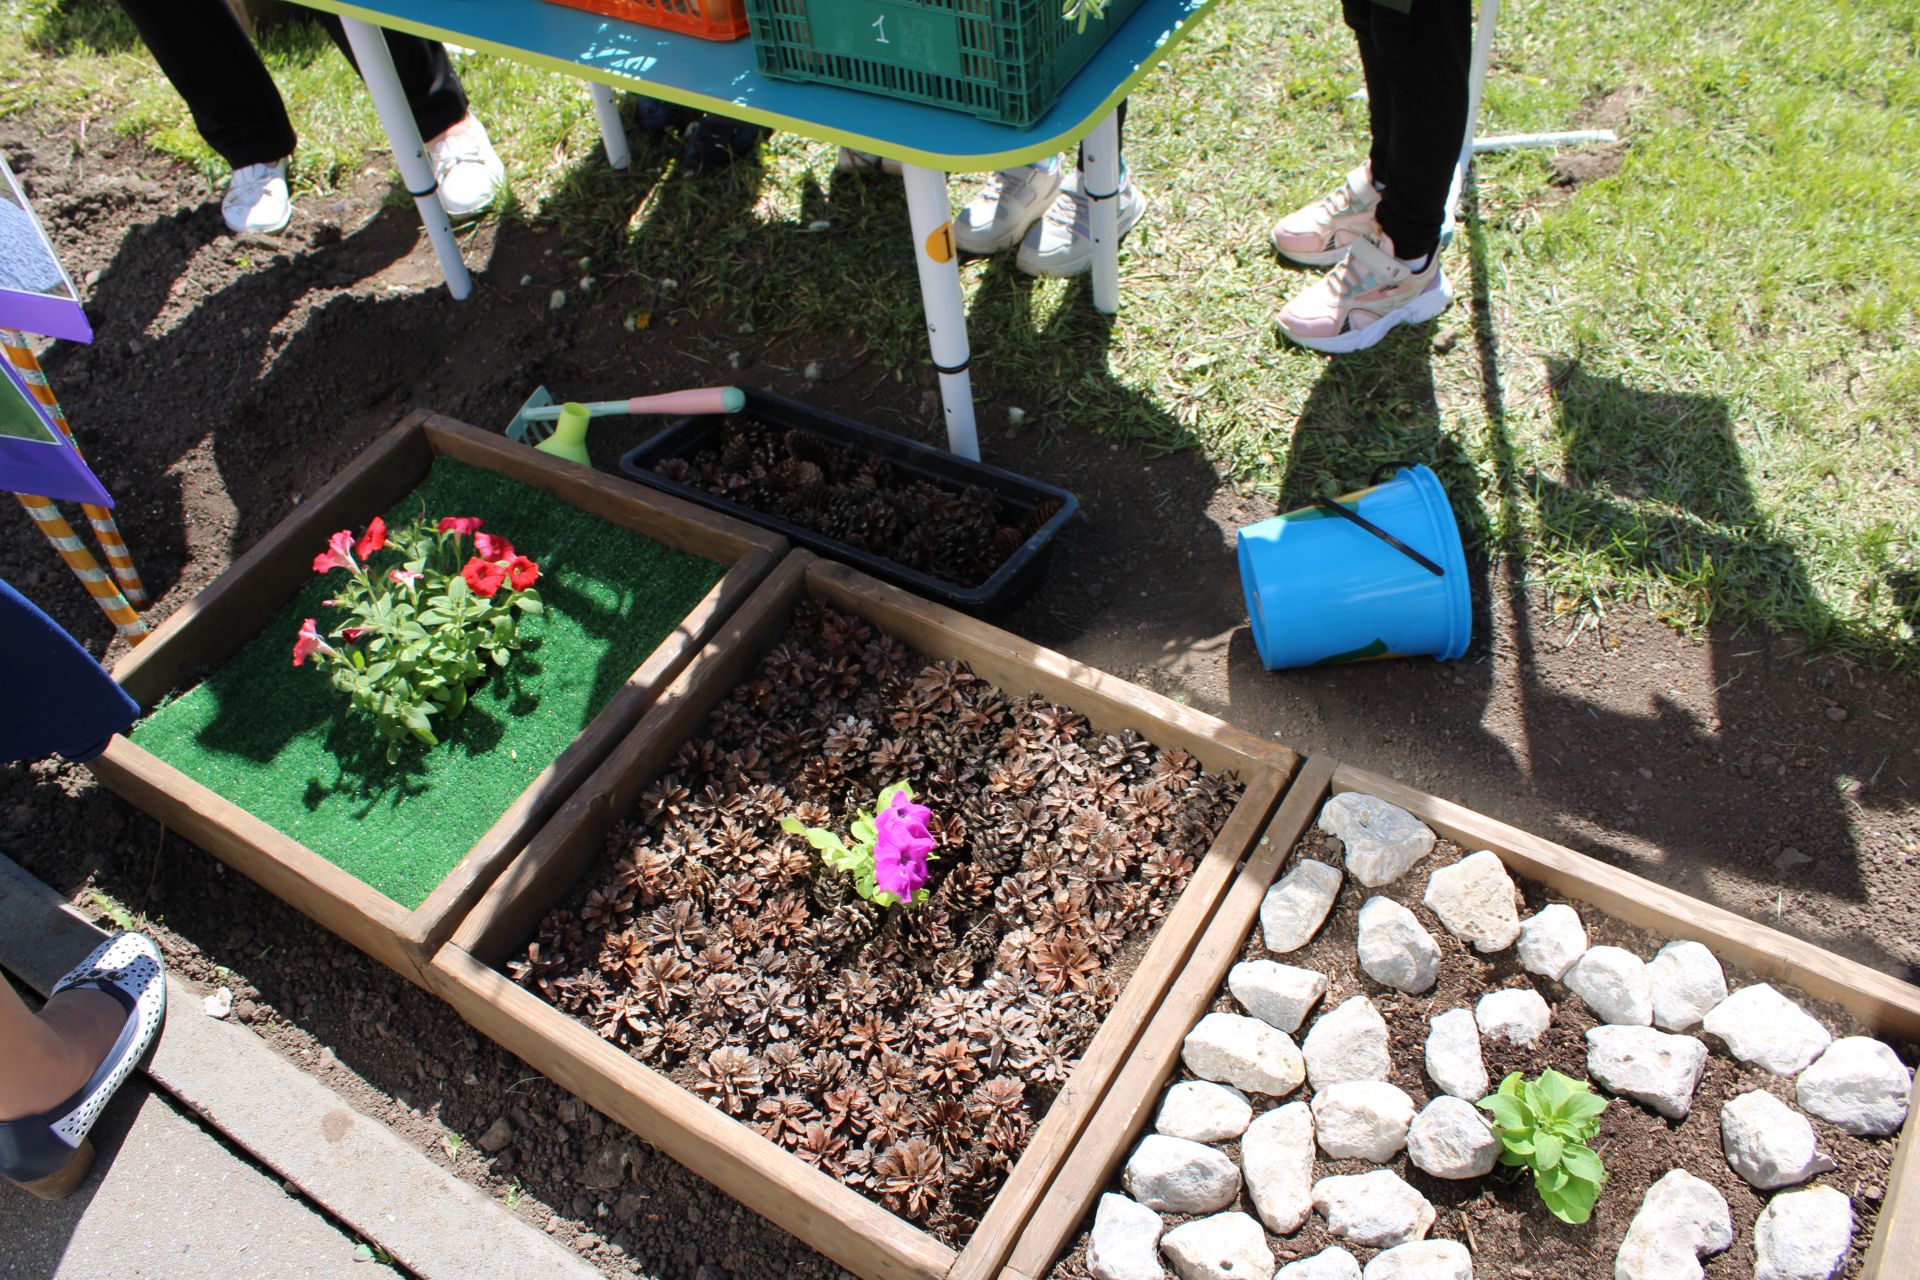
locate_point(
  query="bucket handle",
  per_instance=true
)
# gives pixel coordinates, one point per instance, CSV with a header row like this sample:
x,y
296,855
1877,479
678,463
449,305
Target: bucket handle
x,y
1328,504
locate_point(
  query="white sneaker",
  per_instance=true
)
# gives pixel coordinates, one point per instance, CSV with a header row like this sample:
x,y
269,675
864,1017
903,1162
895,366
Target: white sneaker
x,y
851,161
1009,201
256,201
467,168
1061,244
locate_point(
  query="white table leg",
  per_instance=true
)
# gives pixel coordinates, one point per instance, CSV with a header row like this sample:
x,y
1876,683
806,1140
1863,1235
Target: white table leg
x,y
931,219
613,134
1101,174
403,135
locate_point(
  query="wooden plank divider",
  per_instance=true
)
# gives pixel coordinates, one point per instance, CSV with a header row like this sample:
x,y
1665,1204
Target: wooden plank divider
x,y
230,612
728,1153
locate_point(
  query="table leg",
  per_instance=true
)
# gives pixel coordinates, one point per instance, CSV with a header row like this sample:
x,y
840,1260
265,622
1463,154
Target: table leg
x,y
1101,173
403,135
932,221
613,134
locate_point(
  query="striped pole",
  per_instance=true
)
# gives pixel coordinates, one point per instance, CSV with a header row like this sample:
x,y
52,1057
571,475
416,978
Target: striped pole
x,y
84,566
104,526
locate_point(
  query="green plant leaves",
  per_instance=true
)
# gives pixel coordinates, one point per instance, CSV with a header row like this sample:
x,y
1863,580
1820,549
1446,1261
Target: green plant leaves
x,y
1544,1125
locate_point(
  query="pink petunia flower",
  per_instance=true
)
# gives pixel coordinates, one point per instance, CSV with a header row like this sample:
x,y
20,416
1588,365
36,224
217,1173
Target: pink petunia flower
x,y
492,547
900,847
460,524
338,555
405,577
308,643
373,539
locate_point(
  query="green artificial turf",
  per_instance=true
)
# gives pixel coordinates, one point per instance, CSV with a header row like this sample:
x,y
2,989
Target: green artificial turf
x,y
279,742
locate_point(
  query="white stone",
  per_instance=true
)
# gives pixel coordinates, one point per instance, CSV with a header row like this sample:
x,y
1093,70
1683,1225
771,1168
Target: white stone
x,y
1769,1143
1474,899
1422,1260
1764,1027
1230,1048
1803,1235
1332,1263
1648,1066
1277,1152
1859,1085
1362,1120
1347,1043
1451,1138
1125,1243
1281,994
1178,1176
1681,1219
1517,1015
1687,981
1203,1112
1295,907
1227,1246
1614,983
1394,949
1551,940
1453,1055
1376,1210
1382,841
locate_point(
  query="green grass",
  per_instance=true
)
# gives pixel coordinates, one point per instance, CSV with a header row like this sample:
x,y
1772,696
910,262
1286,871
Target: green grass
x,y
278,741
1690,385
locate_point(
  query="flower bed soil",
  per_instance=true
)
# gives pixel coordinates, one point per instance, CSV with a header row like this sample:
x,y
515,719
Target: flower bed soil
x,y
907,1052
278,740
1499,1217
958,533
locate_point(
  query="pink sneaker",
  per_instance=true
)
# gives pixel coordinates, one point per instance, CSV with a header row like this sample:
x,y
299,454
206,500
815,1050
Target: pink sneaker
x,y
1317,234
1359,302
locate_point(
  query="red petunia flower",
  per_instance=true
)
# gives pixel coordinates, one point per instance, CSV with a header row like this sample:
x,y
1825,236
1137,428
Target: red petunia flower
x,y
492,547
373,539
352,634
483,576
309,643
460,524
338,555
523,572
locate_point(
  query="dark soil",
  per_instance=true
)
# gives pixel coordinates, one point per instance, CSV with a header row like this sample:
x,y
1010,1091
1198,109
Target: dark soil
x,y
1500,1217
960,533
232,376
907,1051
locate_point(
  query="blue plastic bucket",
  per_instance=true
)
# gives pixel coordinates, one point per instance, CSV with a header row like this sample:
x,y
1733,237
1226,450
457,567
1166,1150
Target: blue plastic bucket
x,y
1384,576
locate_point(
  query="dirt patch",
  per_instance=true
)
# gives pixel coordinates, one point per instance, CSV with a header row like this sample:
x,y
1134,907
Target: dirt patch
x,y
1499,1217
1571,169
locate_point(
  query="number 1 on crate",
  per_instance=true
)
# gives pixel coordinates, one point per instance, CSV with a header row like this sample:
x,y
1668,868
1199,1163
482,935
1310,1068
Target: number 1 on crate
x,y
880,25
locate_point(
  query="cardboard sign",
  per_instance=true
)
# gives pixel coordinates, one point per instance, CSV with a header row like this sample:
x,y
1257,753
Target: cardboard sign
x,y
36,294
35,456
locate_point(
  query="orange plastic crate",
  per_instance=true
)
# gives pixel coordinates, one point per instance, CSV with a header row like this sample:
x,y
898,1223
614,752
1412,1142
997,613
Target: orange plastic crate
x,y
708,19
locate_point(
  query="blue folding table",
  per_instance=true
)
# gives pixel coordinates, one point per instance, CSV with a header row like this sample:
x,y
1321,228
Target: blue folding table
x,y
720,76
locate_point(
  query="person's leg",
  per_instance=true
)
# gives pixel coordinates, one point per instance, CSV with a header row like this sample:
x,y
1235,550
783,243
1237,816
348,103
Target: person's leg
x,y
1424,58
216,70
1359,19
433,87
1318,233
51,1054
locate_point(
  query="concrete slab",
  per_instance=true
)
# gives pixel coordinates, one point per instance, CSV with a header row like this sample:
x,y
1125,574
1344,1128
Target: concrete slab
x,y
167,1201
365,1176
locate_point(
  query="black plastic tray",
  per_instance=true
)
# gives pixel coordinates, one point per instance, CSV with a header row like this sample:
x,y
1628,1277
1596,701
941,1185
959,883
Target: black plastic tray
x,y
1009,583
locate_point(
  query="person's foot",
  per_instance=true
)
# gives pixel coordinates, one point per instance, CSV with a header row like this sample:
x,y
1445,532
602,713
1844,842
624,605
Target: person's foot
x,y
467,168
1061,244
1008,203
257,201
1317,234
1363,298
85,1023
713,142
851,161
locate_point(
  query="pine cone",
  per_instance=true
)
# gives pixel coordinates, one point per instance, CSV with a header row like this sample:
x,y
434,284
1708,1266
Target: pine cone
x,y
829,889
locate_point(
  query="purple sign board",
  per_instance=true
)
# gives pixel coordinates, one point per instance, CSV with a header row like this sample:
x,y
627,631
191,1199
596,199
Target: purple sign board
x,y
36,294
35,456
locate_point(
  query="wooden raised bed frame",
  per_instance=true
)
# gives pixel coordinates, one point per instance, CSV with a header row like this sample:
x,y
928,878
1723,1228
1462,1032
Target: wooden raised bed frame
x,y
1885,1004
230,612
819,1209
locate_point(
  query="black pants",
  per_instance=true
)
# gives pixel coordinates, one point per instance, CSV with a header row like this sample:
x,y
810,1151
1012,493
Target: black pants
x,y
235,105
1416,64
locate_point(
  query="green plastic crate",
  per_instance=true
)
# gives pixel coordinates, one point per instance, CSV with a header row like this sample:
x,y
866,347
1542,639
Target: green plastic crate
x,y
1001,60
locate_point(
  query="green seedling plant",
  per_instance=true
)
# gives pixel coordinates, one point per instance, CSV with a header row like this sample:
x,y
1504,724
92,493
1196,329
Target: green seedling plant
x,y
889,852
1544,1125
422,629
